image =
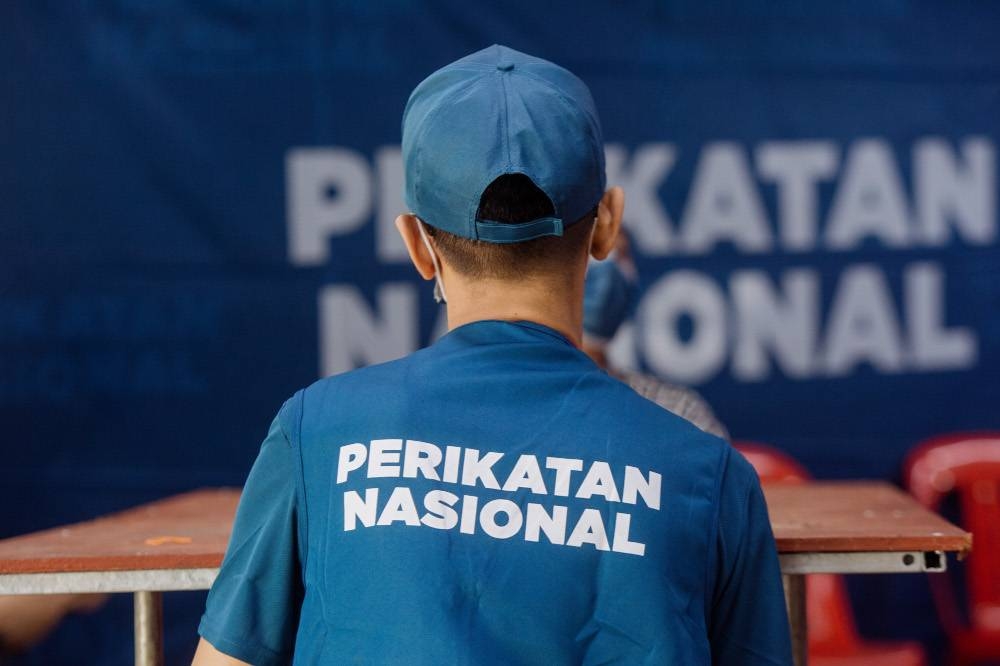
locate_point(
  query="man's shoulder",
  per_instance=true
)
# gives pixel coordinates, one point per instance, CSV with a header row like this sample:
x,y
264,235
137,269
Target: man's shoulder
x,y
367,376
681,400
643,418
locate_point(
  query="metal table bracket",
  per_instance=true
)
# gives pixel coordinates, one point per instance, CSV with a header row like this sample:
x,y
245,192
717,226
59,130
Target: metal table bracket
x,y
856,563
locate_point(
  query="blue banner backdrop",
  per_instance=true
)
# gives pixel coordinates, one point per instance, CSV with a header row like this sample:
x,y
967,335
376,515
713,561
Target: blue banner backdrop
x,y
196,206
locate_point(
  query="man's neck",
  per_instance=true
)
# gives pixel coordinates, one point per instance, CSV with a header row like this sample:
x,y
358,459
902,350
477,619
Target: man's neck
x,y
555,307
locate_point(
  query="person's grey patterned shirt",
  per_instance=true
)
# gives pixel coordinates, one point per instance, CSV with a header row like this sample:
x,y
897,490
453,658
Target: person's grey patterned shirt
x,y
682,401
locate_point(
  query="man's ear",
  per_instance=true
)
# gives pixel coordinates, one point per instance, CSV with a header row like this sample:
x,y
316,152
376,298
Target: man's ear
x,y
609,220
407,224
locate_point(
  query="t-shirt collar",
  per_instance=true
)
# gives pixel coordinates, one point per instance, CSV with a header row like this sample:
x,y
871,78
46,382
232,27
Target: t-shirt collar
x,y
522,324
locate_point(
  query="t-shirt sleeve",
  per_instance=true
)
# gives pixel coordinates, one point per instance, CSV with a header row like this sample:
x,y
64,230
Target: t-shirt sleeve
x,y
748,623
252,612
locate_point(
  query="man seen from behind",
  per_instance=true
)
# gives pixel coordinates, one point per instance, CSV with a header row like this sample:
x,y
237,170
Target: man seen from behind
x,y
496,498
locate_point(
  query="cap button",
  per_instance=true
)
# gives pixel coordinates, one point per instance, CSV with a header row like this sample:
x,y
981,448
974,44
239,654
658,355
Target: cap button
x,y
505,66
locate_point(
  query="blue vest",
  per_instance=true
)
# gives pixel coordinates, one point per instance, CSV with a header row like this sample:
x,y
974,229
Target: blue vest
x,y
496,499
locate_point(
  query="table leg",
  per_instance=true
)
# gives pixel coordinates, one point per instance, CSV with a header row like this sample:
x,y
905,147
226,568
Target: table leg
x,y
148,628
795,602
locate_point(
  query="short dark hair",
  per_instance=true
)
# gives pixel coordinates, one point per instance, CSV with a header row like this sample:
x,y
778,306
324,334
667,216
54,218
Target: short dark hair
x,y
512,199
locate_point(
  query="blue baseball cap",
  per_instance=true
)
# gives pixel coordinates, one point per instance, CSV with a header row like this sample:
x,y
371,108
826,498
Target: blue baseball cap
x,y
497,112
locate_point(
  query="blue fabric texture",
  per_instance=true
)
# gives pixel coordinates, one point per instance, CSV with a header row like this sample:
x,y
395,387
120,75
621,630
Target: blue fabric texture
x,y
255,605
496,499
497,112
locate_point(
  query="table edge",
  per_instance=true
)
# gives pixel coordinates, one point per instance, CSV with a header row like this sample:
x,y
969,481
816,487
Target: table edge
x,y
159,580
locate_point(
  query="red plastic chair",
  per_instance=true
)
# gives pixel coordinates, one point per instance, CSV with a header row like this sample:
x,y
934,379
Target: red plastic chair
x,y
772,464
967,465
833,635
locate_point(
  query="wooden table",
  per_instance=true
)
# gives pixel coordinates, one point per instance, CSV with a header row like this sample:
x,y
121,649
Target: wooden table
x,y
178,544
172,544
852,527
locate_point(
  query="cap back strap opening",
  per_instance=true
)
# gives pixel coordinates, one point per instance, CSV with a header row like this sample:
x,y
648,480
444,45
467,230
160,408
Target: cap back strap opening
x,y
502,232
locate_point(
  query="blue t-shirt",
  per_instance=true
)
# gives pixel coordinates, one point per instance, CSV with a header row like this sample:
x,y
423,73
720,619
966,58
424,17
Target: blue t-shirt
x,y
496,499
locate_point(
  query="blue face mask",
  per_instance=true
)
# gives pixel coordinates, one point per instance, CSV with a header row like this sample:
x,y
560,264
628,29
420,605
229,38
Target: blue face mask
x,y
607,299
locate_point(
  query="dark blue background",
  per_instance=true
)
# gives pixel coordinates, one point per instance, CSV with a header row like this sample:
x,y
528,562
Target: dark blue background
x,y
150,319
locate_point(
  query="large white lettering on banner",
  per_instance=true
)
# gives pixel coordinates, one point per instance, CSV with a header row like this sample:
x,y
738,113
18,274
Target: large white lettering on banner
x,y
760,201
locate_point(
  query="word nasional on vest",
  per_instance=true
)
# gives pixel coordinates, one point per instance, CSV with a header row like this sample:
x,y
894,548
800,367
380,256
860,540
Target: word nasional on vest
x,y
496,518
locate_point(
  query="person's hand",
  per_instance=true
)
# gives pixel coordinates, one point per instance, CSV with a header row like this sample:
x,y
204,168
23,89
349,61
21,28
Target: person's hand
x,y
26,619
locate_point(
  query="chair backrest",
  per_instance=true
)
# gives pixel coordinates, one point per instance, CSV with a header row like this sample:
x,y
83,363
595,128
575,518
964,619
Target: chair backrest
x,y
828,609
772,464
967,465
